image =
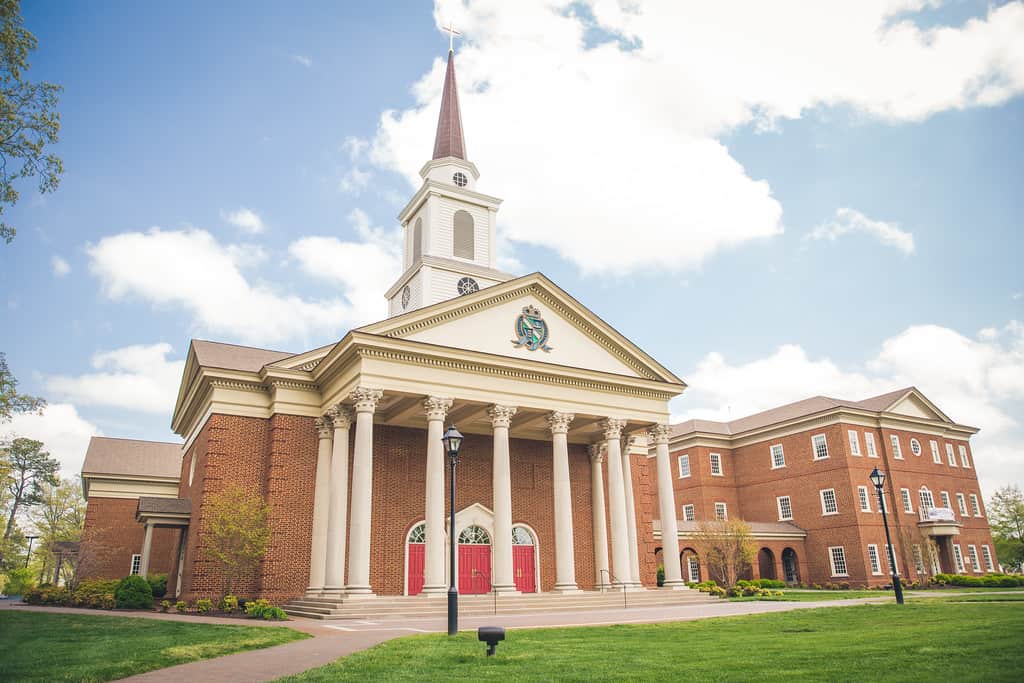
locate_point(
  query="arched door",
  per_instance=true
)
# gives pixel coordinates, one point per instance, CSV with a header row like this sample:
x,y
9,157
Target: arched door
x,y
524,560
789,566
474,560
766,563
416,553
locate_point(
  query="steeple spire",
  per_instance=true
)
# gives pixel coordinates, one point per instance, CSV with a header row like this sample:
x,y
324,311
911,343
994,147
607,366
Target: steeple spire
x,y
449,141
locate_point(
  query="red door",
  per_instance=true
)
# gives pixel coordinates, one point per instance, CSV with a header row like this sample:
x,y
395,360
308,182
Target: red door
x,y
474,568
417,555
522,568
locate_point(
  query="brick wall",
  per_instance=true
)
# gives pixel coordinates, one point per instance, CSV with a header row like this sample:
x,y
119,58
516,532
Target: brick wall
x,y
111,536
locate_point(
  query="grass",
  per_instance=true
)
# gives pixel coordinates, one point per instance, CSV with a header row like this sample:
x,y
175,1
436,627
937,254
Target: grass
x,y
815,596
39,646
922,640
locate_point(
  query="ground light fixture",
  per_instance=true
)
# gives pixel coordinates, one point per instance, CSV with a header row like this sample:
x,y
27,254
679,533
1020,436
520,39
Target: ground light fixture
x,y
492,635
452,441
877,478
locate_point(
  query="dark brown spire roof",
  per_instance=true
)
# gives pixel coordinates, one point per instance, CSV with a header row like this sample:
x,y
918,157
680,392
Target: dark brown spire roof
x,y
449,141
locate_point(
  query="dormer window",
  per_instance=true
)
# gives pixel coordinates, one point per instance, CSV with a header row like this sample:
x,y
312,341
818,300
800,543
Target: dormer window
x,y
460,179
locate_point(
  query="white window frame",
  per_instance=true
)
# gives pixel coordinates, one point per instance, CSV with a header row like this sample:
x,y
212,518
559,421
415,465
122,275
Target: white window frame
x,y
780,462
915,447
713,459
783,517
721,512
986,554
136,564
897,453
964,462
975,505
824,507
854,442
684,458
936,456
961,504
890,554
689,513
908,502
950,457
972,555
958,559
869,445
946,500
693,566
924,492
865,498
874,562
832,558
814,446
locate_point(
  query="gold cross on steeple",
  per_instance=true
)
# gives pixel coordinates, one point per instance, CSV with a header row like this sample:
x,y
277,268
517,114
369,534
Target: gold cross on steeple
x,y
451,36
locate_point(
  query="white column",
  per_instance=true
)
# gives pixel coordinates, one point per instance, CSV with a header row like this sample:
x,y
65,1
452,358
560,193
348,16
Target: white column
x,y
501,483
337,508
362,493
565,558
597,505
433,569
617,500
147,545
658,436
321,492
627,481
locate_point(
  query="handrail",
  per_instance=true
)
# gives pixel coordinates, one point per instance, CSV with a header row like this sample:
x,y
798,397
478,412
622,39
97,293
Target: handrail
x,y
611,580
490,585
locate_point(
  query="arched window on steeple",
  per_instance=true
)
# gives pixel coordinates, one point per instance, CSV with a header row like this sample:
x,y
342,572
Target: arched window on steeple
x,y
417,240
463,245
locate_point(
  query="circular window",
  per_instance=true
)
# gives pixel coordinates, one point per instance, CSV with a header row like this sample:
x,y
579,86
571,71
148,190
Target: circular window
x,y
915,446
467,285
474,535
406,295
460,179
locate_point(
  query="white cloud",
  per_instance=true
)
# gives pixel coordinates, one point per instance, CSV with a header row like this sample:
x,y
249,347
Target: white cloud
x,y
303,60
64,433
135,378
190,269
589,144
364,269
60,266
355,180
975,382
246,219
850,220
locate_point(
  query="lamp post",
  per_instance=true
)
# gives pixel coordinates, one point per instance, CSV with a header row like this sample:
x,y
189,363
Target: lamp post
x,y
878,478
28,555
452,441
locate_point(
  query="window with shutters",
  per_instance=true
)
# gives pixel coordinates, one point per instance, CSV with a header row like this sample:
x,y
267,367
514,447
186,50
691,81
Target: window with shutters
x,y
464,235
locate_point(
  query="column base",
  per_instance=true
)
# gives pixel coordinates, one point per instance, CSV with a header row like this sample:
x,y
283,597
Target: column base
x,y
333,592
434,591
506,590
314,591
674,586
567,588
359,592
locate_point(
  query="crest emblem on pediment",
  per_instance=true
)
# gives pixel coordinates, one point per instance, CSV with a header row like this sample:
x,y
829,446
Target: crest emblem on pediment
x,y
531,330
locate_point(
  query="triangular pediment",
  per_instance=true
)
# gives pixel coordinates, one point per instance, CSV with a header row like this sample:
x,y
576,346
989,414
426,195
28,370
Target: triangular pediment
x,y
915,404
489,321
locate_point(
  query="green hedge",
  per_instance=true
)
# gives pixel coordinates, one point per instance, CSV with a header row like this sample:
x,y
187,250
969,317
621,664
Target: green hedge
x,y
986,581
134,592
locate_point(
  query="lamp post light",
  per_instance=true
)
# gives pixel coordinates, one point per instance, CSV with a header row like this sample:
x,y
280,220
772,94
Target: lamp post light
x,y
878,478
452,441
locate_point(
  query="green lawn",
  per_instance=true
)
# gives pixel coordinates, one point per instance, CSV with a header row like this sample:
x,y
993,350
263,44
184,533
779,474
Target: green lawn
x,y
40,646
816,596
920,641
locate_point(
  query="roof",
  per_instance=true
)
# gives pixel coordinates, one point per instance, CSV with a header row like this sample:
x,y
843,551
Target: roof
x,y
449,141
790,411
234,357
164,506
131,457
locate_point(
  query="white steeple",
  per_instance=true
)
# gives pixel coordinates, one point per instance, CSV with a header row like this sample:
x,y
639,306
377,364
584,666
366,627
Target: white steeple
x,y
448,227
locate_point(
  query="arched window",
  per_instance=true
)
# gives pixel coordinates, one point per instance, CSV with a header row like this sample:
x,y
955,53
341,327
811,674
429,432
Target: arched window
x,y
418,533
463,244
474,535
521,536
926,498
417,239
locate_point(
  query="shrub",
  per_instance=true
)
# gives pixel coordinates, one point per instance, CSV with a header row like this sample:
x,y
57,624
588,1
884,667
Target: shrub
x,y
770,583
661,575
133,592
717,591
844,585
158,582
262,609
816,586
229,603
204,605
47,595
19,581
181,606
165,605
95,593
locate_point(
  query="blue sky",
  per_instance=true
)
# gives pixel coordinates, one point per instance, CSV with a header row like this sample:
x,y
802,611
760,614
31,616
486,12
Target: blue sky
x,y
773,206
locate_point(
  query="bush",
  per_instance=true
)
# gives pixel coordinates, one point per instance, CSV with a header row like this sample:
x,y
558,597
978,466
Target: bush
x,y
165,605
96,593
770,583
181,606
134,592
19,581
661,575
229,603
204,605
717,591
158,582
262,609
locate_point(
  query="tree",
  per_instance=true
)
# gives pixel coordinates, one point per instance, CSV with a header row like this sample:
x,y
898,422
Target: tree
x,y
1006,517
30,468
10,400
59,516
728,549
29,120
239,532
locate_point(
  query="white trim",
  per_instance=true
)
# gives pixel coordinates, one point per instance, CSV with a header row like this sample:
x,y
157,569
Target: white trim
x,y
679,465
712,458
915,447
725,512
782,454
874,562
908,502
936,455
824,507
814,447
854,439
986,554
964,462
693,513
405,550
135,565
869,444
975,505
930,502
958,559
961,504
947,502
972,555
890,559
864,498
778,505
536,554
950,457
832,560
897,452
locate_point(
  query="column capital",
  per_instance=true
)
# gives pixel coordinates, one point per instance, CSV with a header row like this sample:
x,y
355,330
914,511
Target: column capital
x,y
559,422
340,416
596,451
658,434
436,408
324,428
365,399
501,416
613,427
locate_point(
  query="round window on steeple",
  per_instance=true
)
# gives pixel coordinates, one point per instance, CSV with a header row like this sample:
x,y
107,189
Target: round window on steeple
x,y
467,285
460,179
